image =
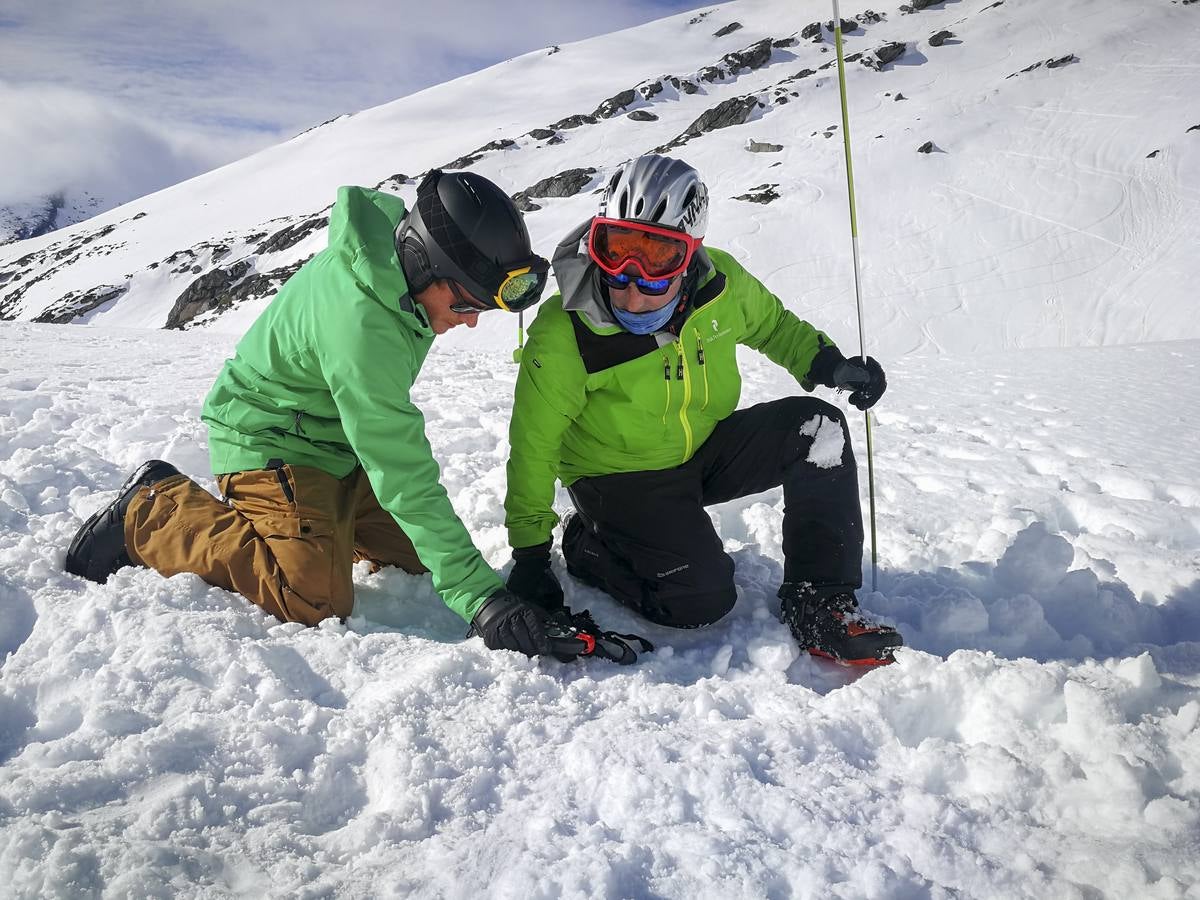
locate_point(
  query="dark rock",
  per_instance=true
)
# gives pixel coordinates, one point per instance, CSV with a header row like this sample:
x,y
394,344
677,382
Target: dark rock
x,y
291,235
696,20
615,104
564,184
220,289
463,161
853,57
682,84
1152,154
642,115
219,252
554,48
847,25
78,303
734,111
926,147
1055,63
884,55
540,134
196,270
653,89
812,30
711,74
994,5
803,73
940,38
918,5
209,291
1193,128
140,215
763,193
753,57
870,17
781,43
574,122
728,29
557,139
900,96
523,203
393,182
762,146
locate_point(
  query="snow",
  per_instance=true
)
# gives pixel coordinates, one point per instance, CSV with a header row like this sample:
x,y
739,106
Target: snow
x,y
160,737
1030,293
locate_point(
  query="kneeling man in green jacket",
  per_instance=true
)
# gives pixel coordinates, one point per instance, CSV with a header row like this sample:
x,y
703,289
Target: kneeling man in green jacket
x,y
318,449
628,394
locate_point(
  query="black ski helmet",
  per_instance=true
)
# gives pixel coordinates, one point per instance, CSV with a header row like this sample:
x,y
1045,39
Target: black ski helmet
x,y
464,228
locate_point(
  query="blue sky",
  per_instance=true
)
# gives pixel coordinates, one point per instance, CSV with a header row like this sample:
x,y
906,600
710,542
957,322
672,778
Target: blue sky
x,y
164,90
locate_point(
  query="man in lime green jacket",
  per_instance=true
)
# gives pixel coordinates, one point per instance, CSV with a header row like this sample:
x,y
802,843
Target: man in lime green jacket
x,y
319,451
628,394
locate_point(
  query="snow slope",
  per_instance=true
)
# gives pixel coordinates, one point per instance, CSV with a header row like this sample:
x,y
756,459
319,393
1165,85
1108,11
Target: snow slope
x,y
1037,221
1039,548
1030,293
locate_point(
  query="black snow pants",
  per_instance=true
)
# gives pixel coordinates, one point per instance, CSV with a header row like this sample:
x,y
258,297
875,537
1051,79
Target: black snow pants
x,y
644,537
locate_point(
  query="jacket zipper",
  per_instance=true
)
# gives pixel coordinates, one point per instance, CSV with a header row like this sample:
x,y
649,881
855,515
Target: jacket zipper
x,y
682,375
667,378
703,368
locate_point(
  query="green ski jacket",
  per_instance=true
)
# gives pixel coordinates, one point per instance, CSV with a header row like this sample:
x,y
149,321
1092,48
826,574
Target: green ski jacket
x,y
322,378
593,399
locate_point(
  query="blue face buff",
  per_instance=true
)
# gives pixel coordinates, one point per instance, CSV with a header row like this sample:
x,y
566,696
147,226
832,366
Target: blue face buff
x,y
645,322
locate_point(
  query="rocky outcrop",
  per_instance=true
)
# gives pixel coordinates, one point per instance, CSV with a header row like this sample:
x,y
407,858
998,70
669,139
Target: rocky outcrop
x,y
642,115
291,235
763,193
475,155
1054,63
573,122
734,111
927,147
940,38
728,29
222,288
762,146
753,57
564,184
882,56
615,104
918,5
78,303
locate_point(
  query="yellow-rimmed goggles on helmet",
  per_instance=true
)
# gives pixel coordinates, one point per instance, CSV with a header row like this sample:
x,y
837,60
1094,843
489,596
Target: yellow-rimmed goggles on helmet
x,y
520,287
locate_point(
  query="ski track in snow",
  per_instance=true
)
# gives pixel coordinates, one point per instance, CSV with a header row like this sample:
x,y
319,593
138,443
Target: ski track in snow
x,y
1039,531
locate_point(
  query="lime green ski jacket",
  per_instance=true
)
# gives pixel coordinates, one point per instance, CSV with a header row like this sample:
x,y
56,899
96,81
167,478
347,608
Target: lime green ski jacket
x,y
323,377
593,399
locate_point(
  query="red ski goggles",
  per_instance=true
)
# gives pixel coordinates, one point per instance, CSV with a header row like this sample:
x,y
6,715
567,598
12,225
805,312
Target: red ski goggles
x,y
657,252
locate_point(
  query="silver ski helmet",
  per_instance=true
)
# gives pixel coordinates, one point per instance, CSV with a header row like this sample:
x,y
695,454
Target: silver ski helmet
x,y
463,228
658,190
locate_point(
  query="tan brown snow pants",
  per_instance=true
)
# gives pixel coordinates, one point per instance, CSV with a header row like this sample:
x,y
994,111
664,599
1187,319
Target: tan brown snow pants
x,y
286,539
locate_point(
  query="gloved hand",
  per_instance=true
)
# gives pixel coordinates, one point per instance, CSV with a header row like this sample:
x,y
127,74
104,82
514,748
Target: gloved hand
x,y
532,579
506,622
863,378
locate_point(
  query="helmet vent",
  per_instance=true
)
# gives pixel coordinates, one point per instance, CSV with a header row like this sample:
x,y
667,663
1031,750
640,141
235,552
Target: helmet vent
x,y
659,210
689,197
641,203
623,205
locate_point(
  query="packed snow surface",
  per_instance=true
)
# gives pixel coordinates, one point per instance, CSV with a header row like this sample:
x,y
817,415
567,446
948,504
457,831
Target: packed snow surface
x,y
1039,535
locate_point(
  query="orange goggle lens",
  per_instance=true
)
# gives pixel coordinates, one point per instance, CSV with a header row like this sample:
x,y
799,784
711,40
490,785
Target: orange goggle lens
x,y
657,252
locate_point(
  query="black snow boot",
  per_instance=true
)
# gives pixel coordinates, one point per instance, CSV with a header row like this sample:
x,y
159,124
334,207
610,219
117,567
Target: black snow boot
x,y
828,623
98,549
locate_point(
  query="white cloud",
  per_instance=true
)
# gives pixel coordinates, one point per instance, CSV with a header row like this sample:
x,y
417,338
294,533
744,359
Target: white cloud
x,y
142,93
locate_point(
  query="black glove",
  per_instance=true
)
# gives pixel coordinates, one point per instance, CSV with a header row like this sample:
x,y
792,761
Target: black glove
x,y
532,579
863,378
506,622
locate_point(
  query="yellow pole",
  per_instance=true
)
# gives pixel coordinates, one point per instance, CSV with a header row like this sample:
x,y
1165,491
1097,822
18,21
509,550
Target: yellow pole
x,y
862,339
